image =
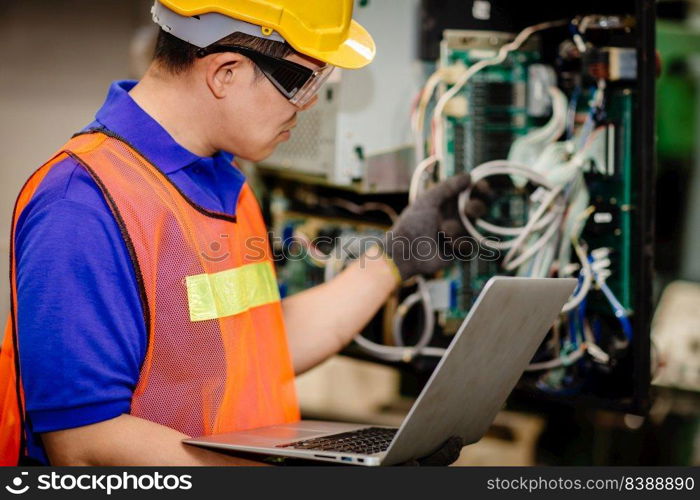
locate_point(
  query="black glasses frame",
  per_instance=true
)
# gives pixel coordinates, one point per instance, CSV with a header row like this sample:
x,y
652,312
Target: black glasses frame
x,y
288,77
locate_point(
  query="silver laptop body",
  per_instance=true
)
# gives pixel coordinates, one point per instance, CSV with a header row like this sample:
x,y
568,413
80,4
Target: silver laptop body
x,y
469,386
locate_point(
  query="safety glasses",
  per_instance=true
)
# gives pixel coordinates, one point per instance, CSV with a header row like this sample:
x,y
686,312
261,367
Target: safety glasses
x,y
294,81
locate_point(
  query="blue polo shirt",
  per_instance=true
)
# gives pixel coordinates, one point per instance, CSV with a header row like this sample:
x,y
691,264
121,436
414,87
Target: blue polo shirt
x,y
82,339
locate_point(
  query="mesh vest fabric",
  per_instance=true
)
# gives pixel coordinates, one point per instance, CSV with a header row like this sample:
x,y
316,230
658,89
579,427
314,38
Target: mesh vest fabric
x,y
225,370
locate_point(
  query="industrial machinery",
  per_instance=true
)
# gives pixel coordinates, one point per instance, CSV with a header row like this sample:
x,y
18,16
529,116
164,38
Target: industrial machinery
x,y
358,135
554,108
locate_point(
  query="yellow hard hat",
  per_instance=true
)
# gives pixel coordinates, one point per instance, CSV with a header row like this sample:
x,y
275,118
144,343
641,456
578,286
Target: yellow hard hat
x,y
322,29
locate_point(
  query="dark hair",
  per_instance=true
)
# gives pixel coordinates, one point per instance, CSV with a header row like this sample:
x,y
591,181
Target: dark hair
x,y
178,56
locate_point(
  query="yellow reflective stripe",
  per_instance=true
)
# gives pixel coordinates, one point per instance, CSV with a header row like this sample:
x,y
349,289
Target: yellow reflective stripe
x,y
230,292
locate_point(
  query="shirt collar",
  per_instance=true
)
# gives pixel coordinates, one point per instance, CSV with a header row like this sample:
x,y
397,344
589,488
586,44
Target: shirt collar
x,y
121,115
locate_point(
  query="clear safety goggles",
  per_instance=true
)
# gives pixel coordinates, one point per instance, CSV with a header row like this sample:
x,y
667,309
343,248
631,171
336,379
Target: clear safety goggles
x,y
296,82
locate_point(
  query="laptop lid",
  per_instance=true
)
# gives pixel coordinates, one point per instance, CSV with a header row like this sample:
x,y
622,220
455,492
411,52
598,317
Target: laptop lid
x,y
482,365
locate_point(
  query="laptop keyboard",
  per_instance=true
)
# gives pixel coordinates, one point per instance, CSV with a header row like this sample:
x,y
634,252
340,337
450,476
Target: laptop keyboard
x,y
364,441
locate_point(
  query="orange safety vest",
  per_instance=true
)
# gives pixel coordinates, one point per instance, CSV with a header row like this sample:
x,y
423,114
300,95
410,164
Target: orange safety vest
x,y
217,358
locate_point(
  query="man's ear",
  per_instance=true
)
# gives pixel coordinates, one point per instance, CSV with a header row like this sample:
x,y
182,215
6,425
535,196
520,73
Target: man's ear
x,y
221,72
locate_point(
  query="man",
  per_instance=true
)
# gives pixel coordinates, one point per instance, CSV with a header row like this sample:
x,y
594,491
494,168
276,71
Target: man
x,y
126,334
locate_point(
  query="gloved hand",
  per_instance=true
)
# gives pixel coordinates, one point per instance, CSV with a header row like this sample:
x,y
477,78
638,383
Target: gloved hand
x,y
422,241
447,454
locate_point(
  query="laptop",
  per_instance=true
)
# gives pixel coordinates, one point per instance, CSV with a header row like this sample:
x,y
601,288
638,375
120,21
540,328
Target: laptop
x,y
470,384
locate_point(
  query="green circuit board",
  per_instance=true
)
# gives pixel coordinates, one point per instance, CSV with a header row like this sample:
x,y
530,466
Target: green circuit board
x,y
496,103
611,193
615,195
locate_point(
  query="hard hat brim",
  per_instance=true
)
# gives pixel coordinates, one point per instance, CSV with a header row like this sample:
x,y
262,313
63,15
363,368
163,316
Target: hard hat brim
x,y
357,51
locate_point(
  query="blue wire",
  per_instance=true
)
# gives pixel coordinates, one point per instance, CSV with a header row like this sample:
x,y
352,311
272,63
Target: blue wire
x,y
597,331
589,124
572,329
620,312
571,114
572,317
530,267
557,392
582,315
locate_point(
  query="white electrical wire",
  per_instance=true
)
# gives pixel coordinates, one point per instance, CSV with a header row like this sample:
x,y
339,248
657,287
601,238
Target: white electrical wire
x,y
538,261
417,177
421,295
393,353
418,116
574,302
585,287
546,258
400,315
505,167
586,270
557,362
437,124
596,103
548,215
578,201
401,352
517,242
533,249
596,352
530,147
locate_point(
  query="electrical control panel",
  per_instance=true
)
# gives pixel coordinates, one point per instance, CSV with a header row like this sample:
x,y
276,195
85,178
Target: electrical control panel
x,y
585,149
554,109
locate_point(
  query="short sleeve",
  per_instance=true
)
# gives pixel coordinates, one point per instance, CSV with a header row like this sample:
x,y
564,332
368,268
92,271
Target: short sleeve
x,y
81,331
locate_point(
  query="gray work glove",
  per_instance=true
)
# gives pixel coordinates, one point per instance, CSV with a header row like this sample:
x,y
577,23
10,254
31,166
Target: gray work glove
x,y
426,237
447,454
